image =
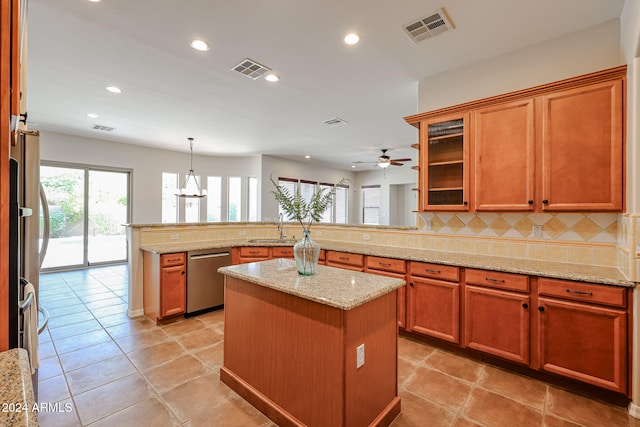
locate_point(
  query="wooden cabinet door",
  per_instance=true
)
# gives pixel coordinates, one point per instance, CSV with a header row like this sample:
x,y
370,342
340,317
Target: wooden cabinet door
x,y
434,308
582,158
173,291
584,342
444,163
497,322
504,157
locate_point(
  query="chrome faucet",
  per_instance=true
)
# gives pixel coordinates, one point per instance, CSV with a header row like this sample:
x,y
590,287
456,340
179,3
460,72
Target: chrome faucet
x,y
281,227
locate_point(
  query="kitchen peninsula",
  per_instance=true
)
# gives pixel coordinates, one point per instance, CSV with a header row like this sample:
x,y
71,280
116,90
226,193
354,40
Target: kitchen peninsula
x,y
312,350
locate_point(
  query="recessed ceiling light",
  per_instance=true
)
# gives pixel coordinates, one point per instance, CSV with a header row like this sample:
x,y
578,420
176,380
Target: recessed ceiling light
x,y
353,166
92,115
307,156
95,1
351,38
271,77
114,89
200,45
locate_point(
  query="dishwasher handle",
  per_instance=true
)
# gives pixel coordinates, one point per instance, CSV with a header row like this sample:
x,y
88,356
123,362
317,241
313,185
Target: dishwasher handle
x,y
203,256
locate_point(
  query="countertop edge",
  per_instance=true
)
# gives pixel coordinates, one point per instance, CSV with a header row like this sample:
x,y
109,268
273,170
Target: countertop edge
x,y
16,389
564,271
391,284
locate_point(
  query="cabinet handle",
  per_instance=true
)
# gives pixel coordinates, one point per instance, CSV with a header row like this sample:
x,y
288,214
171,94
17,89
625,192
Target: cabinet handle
x,y
384,264
530,202
573,291
428,270
344,258
540,308
465,203
545,201
489,279
525,305
410,283
183,272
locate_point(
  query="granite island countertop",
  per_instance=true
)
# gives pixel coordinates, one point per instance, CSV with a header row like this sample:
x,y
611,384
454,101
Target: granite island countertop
x,y
567,271
335,287
16,389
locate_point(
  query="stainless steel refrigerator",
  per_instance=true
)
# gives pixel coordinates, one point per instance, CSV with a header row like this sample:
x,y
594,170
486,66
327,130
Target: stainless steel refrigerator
x,y
25,254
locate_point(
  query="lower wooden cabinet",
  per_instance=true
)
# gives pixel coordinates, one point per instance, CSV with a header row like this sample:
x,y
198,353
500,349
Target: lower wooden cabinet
x,y
497,322
345,260
433,301
391,267
165,286
586,341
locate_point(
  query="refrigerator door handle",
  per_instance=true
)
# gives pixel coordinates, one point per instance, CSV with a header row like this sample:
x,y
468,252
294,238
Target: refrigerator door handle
x,y
47,225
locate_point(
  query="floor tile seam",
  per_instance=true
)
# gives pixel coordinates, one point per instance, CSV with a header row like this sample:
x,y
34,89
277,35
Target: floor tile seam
x,y
433,368
77,349
75,406
113,413
75,335
90,364
506,396
447,409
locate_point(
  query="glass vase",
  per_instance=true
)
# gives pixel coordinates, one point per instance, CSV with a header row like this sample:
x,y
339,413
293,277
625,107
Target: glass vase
x,y
306,252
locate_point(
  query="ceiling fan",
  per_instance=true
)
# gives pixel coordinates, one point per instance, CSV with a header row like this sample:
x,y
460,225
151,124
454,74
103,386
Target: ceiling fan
x,y
385,161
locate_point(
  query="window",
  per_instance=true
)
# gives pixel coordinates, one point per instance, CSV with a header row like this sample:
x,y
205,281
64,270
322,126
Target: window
x,y
371,204
235,199
337,213
252,198
341,205
214,198
169,199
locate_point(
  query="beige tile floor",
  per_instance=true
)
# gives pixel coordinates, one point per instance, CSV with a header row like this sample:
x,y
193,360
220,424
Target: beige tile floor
x,y
114,371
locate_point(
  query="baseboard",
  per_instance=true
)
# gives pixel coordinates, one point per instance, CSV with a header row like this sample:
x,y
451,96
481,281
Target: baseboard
x,y
135,313
634,410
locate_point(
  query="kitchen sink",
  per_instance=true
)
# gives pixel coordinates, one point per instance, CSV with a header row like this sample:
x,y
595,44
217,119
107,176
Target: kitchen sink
x,y
271,241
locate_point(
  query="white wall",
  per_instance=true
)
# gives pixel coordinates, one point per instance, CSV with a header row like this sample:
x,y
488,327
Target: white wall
x,y
581,52
147,165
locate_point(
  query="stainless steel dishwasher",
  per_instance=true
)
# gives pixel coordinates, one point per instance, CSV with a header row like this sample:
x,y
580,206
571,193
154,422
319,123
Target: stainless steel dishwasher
x,y
205,286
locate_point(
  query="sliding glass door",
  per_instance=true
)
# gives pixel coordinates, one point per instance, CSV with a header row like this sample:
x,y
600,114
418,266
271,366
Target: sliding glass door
x,y
87,209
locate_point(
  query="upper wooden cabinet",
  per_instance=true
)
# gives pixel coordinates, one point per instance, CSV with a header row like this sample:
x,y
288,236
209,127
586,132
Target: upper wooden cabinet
x,y
504,162
444,163
582,148
556,147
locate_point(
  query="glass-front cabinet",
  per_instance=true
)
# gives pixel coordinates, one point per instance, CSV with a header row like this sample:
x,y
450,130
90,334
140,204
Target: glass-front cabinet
x,y
444,163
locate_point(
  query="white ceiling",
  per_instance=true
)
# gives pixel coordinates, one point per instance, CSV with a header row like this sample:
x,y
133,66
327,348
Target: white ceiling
x,y
171,92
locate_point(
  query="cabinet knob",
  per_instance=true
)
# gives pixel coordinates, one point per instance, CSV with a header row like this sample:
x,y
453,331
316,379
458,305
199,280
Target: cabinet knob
x,y
183,272
545,201
540,308
525,305
530,202
465,203
410,283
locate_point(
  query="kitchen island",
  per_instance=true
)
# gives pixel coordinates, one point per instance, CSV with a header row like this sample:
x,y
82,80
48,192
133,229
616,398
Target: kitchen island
x,y
312,351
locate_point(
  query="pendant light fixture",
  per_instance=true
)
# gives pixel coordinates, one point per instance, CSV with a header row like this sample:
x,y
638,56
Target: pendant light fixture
x,y
191,188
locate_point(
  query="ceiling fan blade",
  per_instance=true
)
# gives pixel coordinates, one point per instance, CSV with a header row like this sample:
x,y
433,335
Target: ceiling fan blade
x,y
400,160
397,164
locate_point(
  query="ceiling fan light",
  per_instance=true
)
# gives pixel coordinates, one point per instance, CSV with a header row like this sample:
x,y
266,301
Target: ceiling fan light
x,y
384,165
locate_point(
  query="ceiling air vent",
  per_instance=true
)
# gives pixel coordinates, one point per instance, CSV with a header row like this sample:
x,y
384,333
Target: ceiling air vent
x,y
251,68
429,26
337,121
103,128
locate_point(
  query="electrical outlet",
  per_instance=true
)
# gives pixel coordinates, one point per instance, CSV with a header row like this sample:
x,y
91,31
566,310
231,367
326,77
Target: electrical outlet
x,y
366,236
243,233
360,356
174,236
536,231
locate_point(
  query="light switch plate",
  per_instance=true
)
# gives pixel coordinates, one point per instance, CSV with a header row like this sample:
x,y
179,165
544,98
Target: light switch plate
x,y
360,356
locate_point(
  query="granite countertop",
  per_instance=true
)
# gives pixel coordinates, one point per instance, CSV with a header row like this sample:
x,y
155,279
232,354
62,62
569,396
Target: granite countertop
x,y
335,287
578,272
16,389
